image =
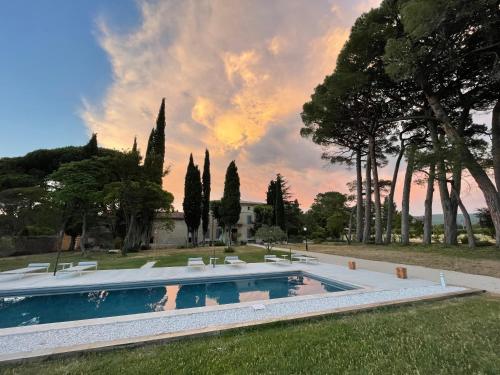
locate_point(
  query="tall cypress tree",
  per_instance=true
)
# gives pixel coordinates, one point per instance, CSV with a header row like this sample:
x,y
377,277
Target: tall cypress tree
x,y
153,165
159,144
279,203
275,197
192,200
230,202
148,160
271,199
206,195
91,148
155,152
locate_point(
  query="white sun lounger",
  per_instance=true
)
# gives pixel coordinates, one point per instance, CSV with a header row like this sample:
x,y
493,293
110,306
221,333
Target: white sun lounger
x,y
273,258
234,260
304,258
196,262
80,267
31,268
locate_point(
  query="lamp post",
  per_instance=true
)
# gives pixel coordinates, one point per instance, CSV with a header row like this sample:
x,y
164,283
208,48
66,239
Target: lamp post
x,y
305,235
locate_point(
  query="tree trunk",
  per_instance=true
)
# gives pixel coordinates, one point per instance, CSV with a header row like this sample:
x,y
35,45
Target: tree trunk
x,y
495,152
349,230
390,199
449,233
468,223
72,243
132,238
495,143
456,181
405,205
376,189
489,190
427,240
146,230
359,198
83,237
368,201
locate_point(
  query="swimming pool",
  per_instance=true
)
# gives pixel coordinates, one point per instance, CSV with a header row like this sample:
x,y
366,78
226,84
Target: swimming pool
x,y
39,309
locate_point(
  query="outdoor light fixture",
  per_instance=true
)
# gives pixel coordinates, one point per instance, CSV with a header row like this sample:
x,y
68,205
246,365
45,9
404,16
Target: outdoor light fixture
x,y
305,235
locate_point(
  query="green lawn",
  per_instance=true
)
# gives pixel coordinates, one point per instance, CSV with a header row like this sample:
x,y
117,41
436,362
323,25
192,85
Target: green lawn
x,y
165,257
458,336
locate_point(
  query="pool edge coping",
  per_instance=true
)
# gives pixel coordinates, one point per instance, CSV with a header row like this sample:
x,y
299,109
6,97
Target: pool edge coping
x,y
165,338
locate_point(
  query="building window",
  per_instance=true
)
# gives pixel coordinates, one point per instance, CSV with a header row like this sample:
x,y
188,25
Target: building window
x,y
249,208
249,219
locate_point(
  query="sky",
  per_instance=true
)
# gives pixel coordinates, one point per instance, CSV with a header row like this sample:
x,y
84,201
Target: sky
x,y
234,74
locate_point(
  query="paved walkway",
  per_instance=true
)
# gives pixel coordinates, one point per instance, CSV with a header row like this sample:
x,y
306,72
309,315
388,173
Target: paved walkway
x,y
491,284
149,264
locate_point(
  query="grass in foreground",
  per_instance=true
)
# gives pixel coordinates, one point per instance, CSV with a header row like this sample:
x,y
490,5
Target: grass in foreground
x,y
458,336
165,257
480,261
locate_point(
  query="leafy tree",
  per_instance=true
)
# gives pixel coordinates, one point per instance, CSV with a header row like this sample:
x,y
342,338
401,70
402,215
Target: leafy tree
x,y
328,215
336,223
192,200
230,208
206,195
264,214
484,216
270,235
79,185
134,194
216,212
293,216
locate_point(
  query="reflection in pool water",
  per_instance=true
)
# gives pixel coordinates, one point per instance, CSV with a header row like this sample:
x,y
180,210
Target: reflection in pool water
x,y
18,311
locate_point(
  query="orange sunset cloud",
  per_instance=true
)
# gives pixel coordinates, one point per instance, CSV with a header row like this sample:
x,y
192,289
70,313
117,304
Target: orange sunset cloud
x,y
234,75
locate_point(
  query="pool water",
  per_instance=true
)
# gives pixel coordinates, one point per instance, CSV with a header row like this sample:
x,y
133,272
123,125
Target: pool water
x,y
27,310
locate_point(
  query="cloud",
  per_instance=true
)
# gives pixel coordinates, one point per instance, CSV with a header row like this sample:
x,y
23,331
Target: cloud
x,y
235,75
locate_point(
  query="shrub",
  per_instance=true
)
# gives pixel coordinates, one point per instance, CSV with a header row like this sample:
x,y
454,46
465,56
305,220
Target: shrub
x,y
295,239
7,247
229,249
118,243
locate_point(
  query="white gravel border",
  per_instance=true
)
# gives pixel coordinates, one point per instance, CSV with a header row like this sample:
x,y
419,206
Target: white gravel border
x,y
70,334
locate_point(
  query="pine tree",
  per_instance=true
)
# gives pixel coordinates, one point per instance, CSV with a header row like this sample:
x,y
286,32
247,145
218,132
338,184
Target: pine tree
x,y
206,195
230,202
192,200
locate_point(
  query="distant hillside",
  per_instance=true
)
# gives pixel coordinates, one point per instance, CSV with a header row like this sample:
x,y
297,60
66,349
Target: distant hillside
x,y
439,219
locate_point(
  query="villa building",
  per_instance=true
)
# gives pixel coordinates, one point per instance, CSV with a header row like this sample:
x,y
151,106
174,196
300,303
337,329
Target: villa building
x,y
177,234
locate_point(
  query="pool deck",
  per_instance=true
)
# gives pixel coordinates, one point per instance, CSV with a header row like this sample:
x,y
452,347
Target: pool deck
x,y
376,289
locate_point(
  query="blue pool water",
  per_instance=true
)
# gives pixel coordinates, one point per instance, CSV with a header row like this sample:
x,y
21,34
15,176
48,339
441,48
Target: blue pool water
x,y
28,310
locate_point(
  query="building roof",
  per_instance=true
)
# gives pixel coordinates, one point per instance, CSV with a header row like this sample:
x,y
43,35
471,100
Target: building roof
x,y
250,203
177,215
